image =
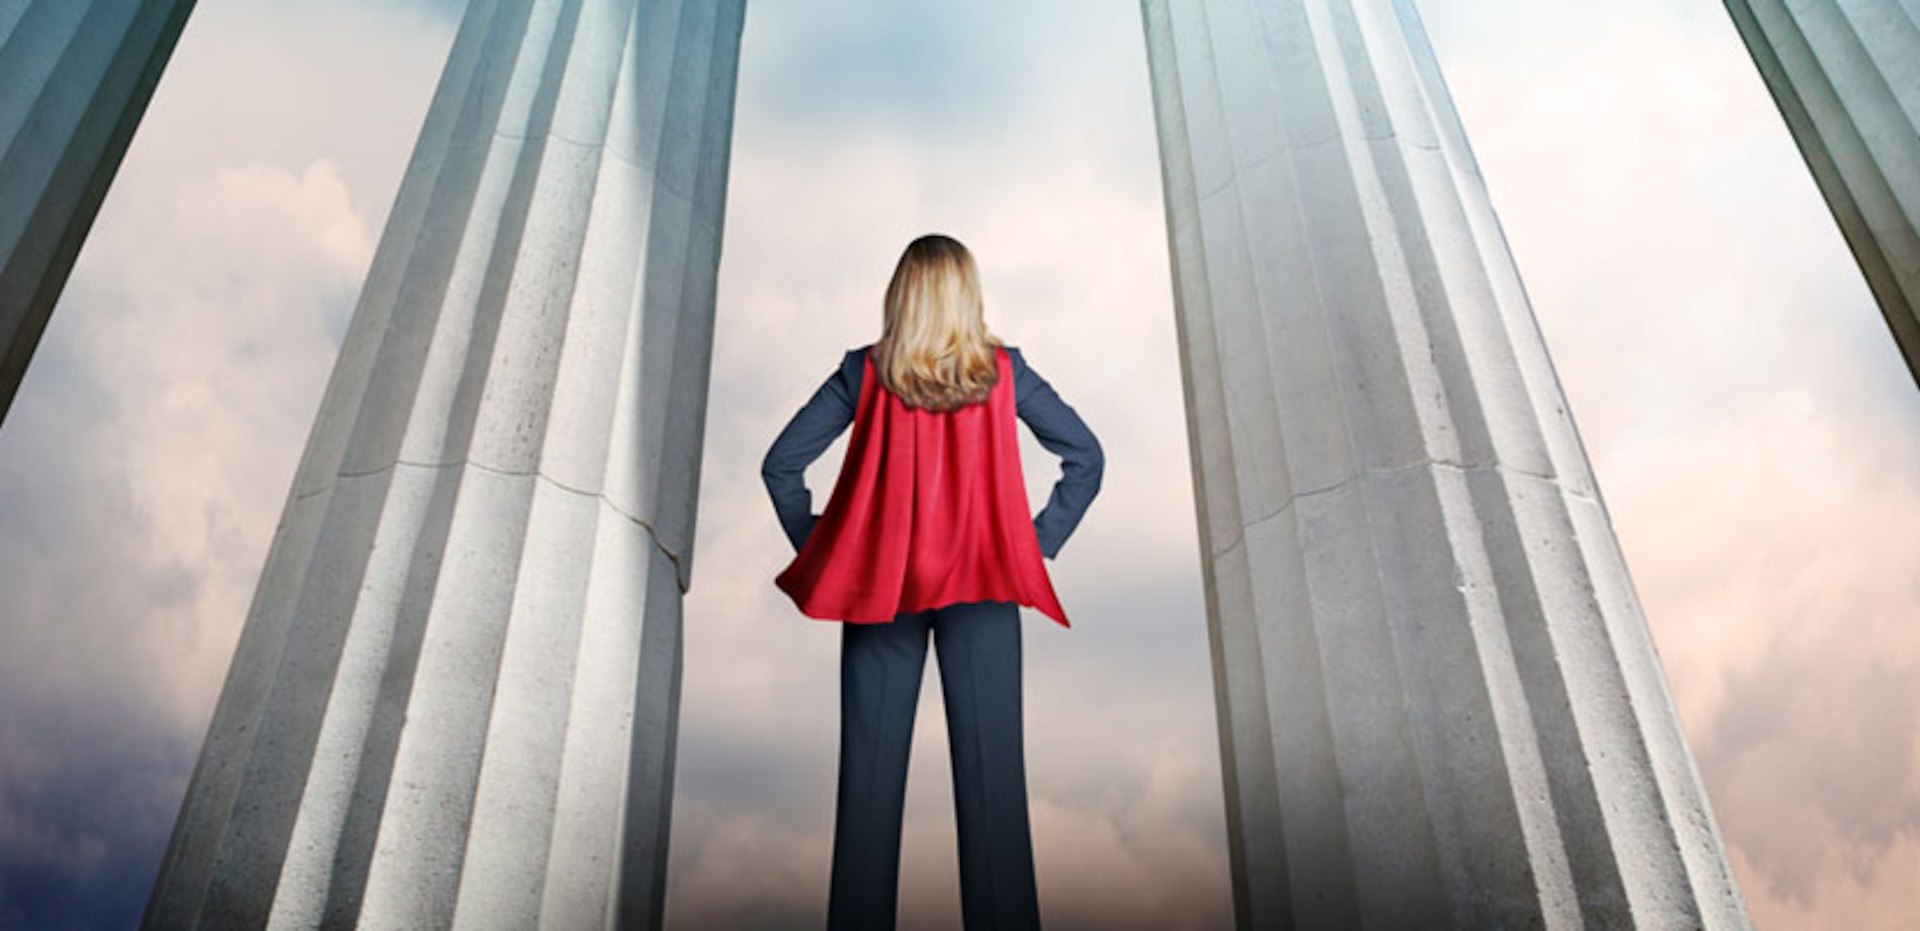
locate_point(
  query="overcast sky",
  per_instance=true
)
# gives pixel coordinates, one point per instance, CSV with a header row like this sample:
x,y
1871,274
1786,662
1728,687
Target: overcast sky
x,y
1752,428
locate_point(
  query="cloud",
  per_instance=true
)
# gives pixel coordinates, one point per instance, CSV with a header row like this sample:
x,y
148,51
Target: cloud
x,y
945,74
1752,429
135,531
144,464
86,799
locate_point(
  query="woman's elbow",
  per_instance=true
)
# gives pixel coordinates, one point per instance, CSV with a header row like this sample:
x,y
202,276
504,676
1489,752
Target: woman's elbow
x,y
1095,466
774,472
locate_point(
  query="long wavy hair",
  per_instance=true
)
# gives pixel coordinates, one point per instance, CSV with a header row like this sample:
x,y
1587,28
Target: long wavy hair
x,y
935,352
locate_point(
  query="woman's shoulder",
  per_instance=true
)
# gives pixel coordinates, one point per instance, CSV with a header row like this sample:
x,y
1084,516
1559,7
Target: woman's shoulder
x,y
1022,373
853,365
854,362
853,358
858,354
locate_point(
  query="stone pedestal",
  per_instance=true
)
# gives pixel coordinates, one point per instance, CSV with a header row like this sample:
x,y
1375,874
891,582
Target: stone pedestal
x,y
454,699
75,78
1439,702
1846,75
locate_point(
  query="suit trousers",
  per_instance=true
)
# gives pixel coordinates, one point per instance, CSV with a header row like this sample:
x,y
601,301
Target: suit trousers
x,y
978,645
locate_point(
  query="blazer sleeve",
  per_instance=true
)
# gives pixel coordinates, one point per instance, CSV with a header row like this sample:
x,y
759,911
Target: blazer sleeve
x,y
1061,431
806,436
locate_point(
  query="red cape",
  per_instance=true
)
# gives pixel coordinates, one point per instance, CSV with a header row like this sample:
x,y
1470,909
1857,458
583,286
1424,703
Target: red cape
x,y
930,510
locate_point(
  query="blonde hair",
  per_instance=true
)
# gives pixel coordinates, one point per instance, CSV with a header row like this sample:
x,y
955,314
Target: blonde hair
x,y
934,351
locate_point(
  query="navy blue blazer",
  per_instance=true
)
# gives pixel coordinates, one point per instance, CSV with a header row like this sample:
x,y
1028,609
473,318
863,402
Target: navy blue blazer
x,y
831,409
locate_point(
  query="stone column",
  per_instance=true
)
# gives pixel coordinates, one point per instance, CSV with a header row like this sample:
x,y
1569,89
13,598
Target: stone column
x,y
1439,704
75,78
455,696
1846,75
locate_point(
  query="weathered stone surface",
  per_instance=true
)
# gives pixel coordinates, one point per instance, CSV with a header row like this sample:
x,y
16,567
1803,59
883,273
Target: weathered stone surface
x,y
1439,702
1846,76
75,78
455,697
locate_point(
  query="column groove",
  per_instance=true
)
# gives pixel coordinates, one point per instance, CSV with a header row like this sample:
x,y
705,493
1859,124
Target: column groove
x,y
75,80
455,698
1454,715
1845,75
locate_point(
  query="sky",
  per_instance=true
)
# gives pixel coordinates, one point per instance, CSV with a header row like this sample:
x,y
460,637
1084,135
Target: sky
x,y
1753,430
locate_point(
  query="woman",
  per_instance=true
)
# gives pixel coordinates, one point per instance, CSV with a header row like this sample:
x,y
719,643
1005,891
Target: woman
x,y
927,533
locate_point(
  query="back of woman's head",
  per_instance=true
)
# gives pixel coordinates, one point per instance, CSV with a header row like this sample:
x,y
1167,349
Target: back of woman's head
x,y
935,351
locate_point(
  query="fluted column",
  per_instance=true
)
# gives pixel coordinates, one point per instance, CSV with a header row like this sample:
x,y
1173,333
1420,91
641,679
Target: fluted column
x,y
75,78
454,699
1439,704
1846,76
